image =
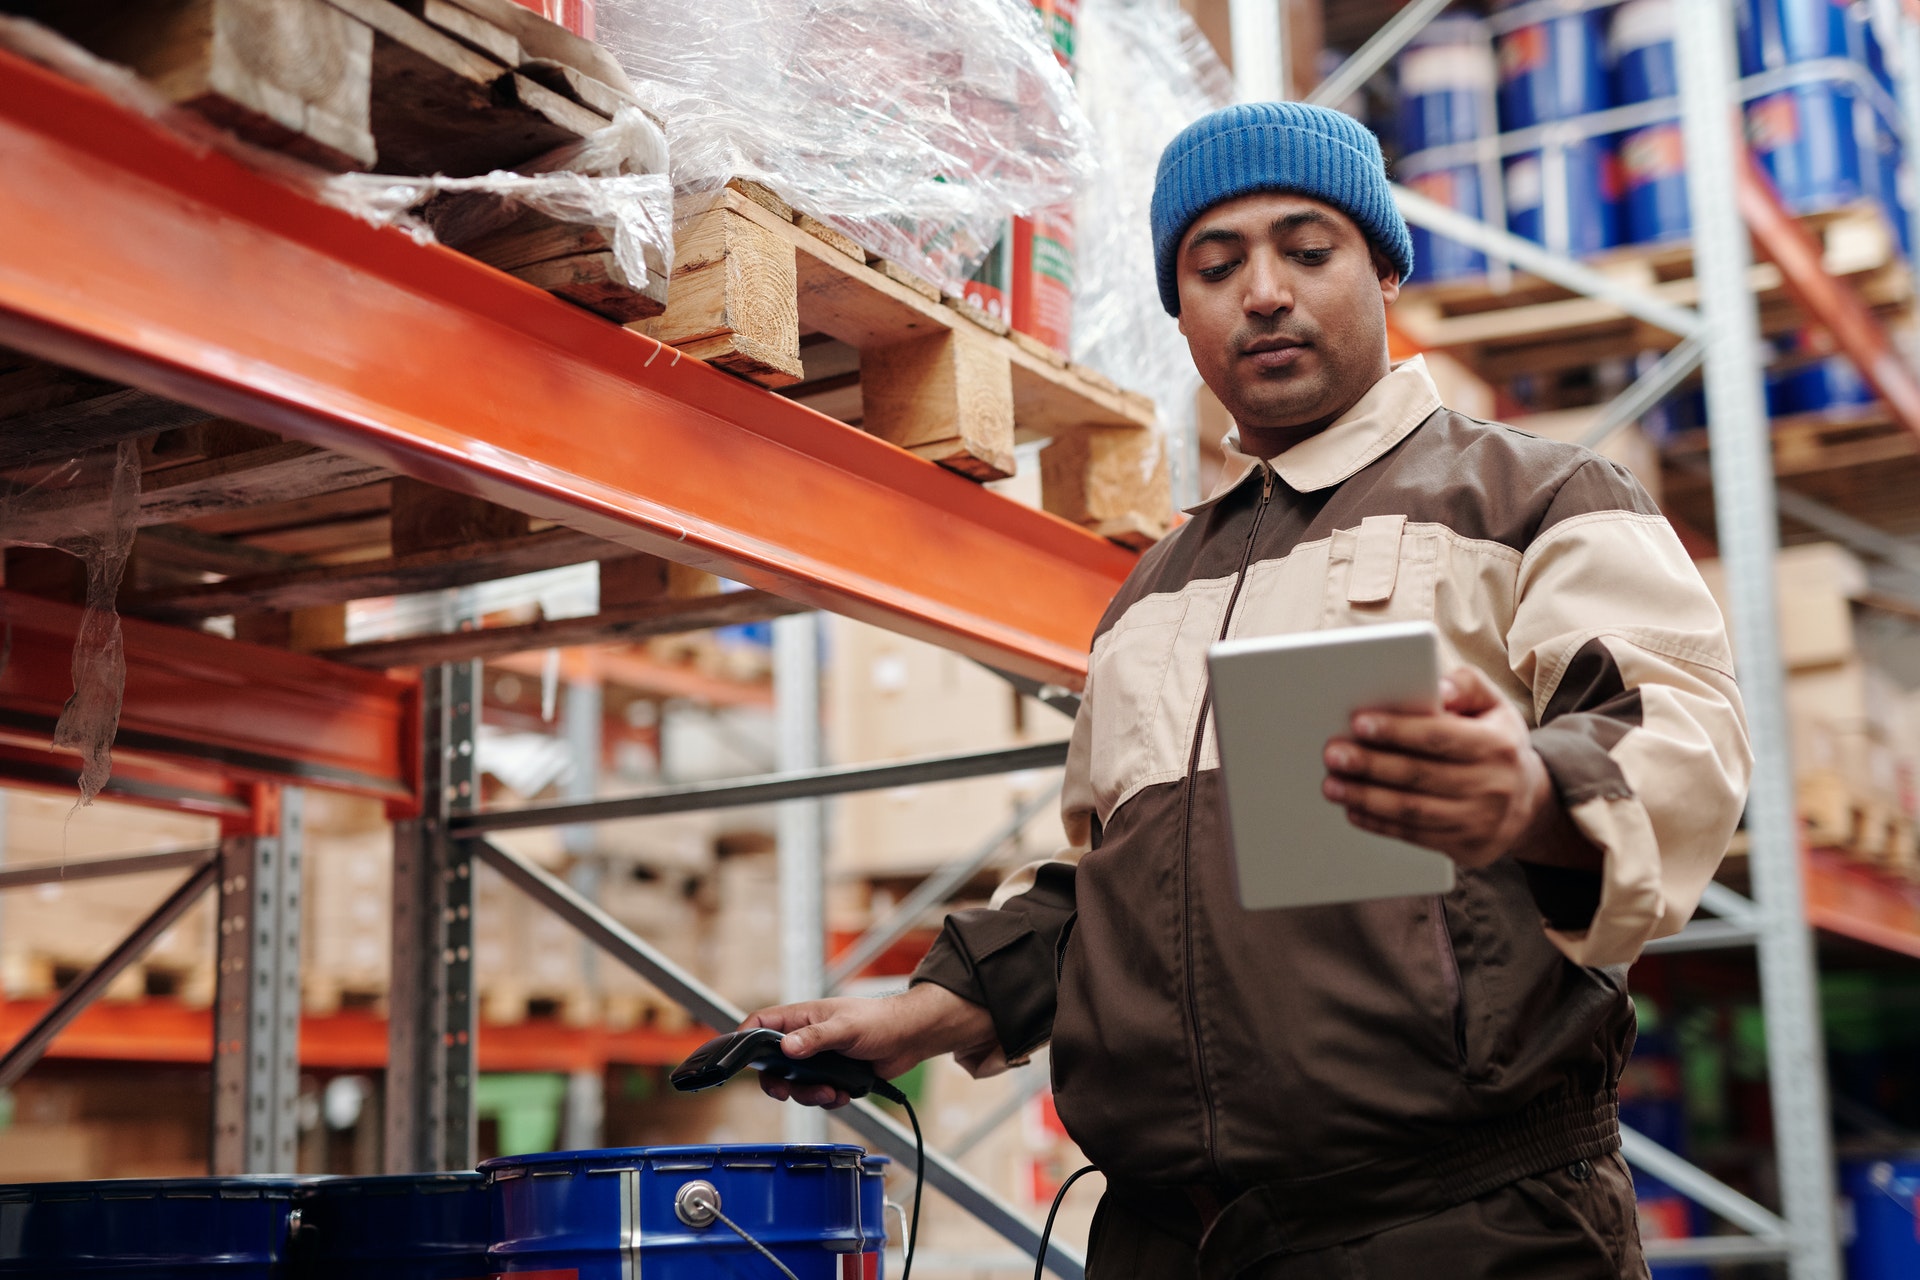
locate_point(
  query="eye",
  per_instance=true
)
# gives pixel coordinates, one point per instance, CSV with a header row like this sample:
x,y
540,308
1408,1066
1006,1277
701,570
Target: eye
x,y
1218,271
1312,257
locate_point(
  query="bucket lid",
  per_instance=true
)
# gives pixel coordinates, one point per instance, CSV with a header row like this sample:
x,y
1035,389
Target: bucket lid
x,y
680,1159
396,1184
226,1188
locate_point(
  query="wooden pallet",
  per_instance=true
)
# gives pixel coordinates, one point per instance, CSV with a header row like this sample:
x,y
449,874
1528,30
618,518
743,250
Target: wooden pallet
x,y
453,87
1538,327
781,298
1839,815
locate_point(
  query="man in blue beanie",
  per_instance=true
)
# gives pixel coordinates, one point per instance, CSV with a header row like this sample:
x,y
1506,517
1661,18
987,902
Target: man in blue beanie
x,y
1412,1087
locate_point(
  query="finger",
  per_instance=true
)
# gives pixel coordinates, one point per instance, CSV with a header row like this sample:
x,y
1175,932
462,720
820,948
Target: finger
x,y
774,1087
817,1095
839,1100
1466,691
834,1033
1440,737
1432,814
1352,762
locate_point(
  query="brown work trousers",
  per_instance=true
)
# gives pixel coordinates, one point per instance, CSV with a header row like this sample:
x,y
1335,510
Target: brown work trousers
x,y
1575,1223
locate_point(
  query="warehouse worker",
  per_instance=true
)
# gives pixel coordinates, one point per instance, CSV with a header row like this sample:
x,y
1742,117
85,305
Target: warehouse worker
x,y
1413,1087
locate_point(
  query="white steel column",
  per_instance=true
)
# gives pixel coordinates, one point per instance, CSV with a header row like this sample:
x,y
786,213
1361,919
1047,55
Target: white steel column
x,y
803,924
1743,485
1258,31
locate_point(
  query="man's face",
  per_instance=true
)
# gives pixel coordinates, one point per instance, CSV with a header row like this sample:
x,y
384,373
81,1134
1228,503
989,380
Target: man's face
x,y
1283,303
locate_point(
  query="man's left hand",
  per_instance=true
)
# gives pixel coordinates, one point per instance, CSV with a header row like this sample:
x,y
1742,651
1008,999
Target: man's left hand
x,y
1465,781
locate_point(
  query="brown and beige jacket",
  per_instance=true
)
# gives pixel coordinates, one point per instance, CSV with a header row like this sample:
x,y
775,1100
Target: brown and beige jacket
x,y
1358,1064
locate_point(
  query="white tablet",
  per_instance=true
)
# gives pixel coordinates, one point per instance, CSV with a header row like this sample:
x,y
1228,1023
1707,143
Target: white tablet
x,y
1276,702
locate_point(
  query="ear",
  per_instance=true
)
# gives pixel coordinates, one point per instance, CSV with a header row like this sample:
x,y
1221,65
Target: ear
x,y
1389,277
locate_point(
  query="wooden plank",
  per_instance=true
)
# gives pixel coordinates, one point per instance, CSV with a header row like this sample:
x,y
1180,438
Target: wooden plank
x,y
435,108
832,235
764,197
397,575
86,413
732,299
584,89
293,75
947,397
425,517
301,630
470,29
539,38
596,282
186,549
616,623
255,477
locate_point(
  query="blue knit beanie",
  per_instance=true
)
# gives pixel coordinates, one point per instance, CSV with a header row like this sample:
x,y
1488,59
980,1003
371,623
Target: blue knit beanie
x,y
1273,146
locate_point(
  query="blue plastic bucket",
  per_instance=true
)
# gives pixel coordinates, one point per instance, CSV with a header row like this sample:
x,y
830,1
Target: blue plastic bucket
x,y
148,1228
1829,384
873,1217
1447,81
1554,70
1653,180
1882,1200
609,1215
1807,140
1641,42
1566,198
425,1226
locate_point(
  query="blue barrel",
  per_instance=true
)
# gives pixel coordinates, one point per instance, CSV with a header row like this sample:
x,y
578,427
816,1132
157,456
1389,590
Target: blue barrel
x,y
1806,138
1436,257
1554,70
1882,1200
148,1228
422,1226
1640,41
1653,180
609,1215
1566,197
1830,384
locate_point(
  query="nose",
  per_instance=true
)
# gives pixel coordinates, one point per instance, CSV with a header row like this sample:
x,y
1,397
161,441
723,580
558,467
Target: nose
x,y
1268,289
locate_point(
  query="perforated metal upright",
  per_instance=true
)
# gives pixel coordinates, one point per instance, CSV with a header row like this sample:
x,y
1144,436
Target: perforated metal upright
x,y
431,1064
256,1026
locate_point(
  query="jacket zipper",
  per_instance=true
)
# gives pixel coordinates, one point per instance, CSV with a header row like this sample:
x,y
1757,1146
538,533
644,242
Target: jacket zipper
x,y
1450,977
1186,836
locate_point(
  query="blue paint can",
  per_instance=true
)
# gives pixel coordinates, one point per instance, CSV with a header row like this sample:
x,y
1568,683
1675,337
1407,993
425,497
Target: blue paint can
x,y
611,1215
1653,180
1566,197
1554,70
425,1226
873,1217
1640,41
1447,88
1781,32
148,1228
1832,383
1447,80
1881,1217
1807,139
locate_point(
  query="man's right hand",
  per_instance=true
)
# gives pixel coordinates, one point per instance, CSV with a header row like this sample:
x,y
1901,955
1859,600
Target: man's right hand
x,y
894,1033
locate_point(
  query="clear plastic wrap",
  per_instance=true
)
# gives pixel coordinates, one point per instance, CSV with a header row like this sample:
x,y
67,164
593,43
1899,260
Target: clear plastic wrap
x,y
615,180
88,507
1145,72
915,126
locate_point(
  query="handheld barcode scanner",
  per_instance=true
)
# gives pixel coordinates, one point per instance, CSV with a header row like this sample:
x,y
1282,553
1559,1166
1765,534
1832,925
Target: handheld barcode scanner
x,y
723,1057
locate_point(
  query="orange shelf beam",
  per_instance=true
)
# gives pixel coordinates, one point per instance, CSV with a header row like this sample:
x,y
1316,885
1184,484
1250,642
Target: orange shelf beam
x,y
205,708
134,255
156,1030
1862,903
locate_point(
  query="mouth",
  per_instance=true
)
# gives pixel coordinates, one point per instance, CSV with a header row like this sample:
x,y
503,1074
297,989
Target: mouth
x,y
1274,353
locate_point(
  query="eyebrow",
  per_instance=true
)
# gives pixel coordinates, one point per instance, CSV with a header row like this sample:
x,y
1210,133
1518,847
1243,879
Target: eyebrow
x,y
1280,225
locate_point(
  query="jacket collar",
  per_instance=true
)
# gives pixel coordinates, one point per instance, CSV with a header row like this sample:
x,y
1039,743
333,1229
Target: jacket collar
x,y
1381,419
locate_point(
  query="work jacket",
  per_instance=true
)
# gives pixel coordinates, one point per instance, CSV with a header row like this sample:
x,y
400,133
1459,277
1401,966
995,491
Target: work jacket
x,y
1342,1068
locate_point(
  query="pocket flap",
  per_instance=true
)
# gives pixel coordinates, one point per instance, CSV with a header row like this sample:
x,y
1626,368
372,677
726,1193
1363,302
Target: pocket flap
x,y
1376,559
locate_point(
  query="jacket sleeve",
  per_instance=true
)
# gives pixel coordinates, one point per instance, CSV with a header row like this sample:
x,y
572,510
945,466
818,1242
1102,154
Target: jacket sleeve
x,y
1639,720
1003,955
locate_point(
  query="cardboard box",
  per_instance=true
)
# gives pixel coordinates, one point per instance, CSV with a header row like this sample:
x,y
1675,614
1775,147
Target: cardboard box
x,y
1816,584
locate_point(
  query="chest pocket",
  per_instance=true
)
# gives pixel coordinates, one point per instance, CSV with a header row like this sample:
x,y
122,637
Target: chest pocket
x,y
1382,571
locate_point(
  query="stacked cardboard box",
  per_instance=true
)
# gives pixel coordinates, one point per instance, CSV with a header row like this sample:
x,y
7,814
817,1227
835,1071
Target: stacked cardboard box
x,y
1855,724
